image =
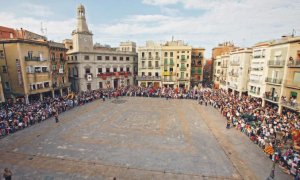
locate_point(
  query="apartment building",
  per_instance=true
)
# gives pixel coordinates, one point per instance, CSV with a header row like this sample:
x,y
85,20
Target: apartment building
x,y
197,66
224,58
258,69
176,71
25,66
59,68
149,65
222,48
98,66
217,72
282,80
238,69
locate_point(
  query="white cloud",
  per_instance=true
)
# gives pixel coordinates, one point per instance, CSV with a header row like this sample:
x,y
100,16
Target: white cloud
x,y
35,10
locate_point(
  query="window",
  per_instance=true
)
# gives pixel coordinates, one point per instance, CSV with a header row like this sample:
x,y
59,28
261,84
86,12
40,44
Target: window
x,y
166,54
30,54
53,67
187,56
177,65
156,64
187,74
71,47
143,54
149,64
115,69
127,58
149,55
72,58
107,70
187,65
100,85
6,85
99,70
121,58
171,54
46,84
99,58
143,73
177,57
4,69
156,74
45,69
107,58
182,51
114,58
127,69
32,86
149,74
171,69
87,70
121,69
156,54
86,57
75,58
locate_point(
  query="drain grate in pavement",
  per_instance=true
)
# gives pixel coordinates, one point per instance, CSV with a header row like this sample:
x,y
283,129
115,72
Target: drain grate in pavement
x,y
118,101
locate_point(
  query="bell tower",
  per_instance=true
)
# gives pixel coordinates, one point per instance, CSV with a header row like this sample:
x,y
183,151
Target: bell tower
x,y
82,37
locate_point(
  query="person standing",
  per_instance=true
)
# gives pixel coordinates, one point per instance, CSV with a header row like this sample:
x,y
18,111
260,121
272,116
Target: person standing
x,y
7,174
56,117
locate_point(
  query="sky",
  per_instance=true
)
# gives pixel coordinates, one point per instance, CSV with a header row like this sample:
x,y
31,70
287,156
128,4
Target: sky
x,y
200,23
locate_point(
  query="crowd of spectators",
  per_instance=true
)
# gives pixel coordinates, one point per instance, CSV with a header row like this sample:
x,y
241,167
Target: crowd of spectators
x,y
277,134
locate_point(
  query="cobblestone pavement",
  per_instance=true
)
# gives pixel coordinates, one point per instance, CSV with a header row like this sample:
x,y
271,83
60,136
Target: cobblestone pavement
x,y
134,138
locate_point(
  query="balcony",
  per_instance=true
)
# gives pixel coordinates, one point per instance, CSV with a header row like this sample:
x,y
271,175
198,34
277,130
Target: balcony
x,y
171,63
33,58
294,63
148,78
168,79
257,69
157,58
150,67
157,67
276,63
234,63
150,57
232,86
254,92
183,69
291,105
143,58
223,65
273,81
183,59
233,74
183,79
254,81
292,84
269,97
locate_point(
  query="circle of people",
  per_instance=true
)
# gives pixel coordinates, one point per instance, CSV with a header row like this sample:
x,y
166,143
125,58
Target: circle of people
x,y
277,134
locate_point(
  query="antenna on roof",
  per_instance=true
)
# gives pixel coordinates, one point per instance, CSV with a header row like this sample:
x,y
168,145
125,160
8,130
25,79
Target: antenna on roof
x,y
43,30
293,33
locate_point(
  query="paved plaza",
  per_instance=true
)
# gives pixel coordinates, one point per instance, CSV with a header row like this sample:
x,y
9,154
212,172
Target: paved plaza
x,y
135,138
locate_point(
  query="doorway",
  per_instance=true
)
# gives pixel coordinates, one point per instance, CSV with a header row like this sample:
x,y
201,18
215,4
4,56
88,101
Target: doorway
x,y
116,83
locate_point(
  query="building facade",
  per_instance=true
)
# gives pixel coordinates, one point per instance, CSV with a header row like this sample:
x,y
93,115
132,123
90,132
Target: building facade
x,y
258,69
223,75
59,68
282,80
149,65
197,66
217,72
222,48
95,66
176,69
238,70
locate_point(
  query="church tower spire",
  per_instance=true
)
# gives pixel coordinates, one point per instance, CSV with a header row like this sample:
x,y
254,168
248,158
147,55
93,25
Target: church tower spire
x,y
81,21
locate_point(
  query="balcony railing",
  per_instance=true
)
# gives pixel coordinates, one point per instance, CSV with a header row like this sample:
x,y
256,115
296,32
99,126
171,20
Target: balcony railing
x,y
294,63
171,63
157,67
257,69
150,67
291,105
224,65
157,57
233,74
148,78
254,92
273,80
276,63
150,57
32,58
292,84
183,69
168,79
234,63
108,74
254,81
144,58
183,79
183,60
271,98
